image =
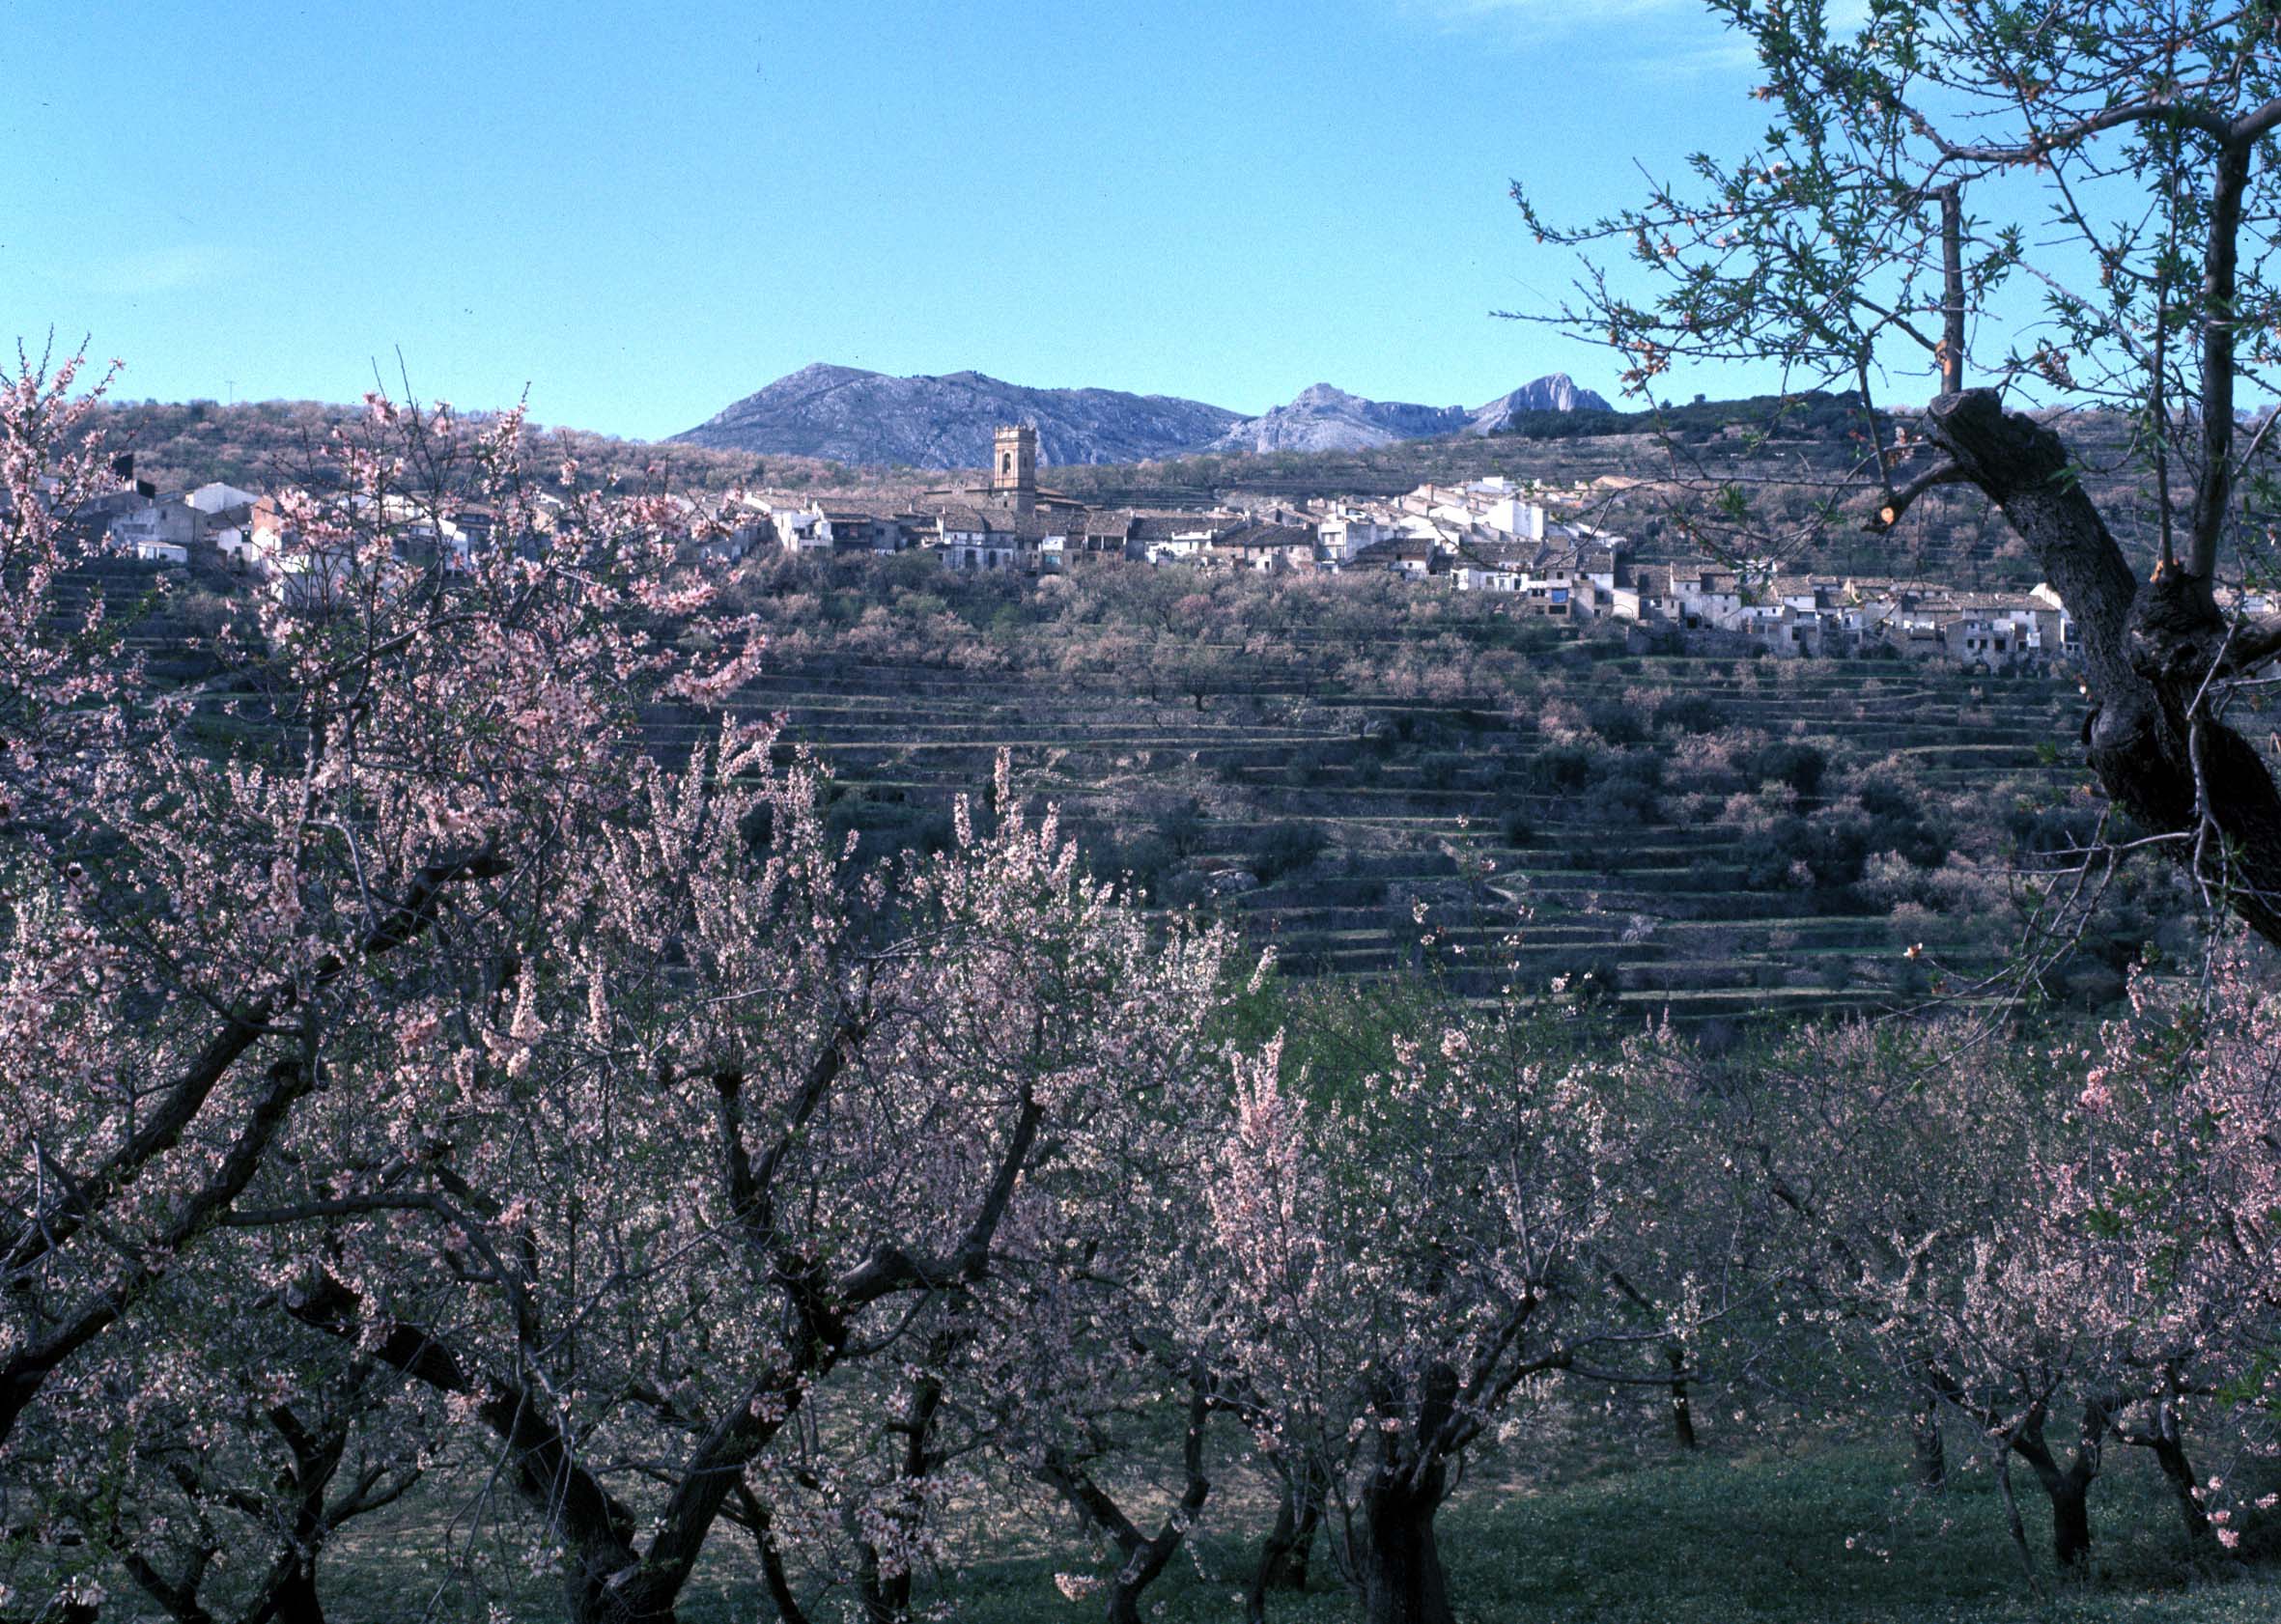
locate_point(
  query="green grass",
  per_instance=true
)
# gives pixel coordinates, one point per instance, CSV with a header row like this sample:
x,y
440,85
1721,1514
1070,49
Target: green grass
x,y
1829,1535
1734,1542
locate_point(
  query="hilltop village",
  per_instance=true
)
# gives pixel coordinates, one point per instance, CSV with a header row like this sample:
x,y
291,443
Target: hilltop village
x,y
1529,543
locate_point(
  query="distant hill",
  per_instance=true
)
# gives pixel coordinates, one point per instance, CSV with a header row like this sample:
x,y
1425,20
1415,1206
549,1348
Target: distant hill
x,y
265,444
1324,418
1813,415
871,418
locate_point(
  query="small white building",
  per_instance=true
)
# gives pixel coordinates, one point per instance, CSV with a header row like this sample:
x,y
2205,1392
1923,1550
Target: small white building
x,y
1514,517
216,497
802,530
147,526
1347,531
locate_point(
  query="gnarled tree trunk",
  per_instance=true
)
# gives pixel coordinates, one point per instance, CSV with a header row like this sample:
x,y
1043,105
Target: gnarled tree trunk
x,y
1147,1556
623,1597
2166,1441
1284,1553
2148,654
2067,1487
1402,1579
1683,1410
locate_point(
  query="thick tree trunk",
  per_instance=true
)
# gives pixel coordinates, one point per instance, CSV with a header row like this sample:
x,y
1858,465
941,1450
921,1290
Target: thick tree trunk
x,y
1147,1556
1140,1570
1283,1555
2147,653
1293,1572
1682,1413
2167,1443
1929,1456
621,1598
2179,1473
1273,1570
1311,1523
2068,1488
884,1597
1402,1580
293,1598
2071,1520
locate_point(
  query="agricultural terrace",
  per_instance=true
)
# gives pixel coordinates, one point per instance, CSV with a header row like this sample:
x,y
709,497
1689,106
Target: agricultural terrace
x,y
1348,766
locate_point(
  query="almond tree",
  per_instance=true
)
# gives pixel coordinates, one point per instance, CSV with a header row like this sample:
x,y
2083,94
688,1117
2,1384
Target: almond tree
x,y
1097,1376
189,927
1405,1257
213,898
2053,1277
2176,1186
210,1471
725,1120
1021,1366
2112,156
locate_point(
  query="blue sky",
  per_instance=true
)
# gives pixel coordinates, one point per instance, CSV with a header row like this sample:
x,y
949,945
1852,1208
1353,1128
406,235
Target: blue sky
x,y
644,212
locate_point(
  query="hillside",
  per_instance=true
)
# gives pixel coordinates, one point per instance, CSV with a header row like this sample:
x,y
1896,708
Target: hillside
x,y
261,445
1654,469
870,418
1690,834
1341,765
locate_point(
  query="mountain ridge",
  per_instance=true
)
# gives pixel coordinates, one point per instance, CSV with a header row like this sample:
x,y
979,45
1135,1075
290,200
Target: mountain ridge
x,y
1324,418
849,414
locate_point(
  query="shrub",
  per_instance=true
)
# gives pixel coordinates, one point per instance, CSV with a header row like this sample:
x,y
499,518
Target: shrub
x,y
1689,713
1800,765
1286,849
1182,827
1616,721
1561,769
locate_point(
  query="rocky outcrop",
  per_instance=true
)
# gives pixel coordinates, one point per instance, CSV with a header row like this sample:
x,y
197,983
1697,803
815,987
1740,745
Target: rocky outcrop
x,y
1328,419
1554,392
1324,418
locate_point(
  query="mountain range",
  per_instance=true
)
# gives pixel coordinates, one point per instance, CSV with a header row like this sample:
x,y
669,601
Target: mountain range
x,y
871,418
1324,418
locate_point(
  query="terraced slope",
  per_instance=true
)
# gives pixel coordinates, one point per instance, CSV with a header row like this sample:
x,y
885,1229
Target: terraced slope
x,y
1420,808
1361,833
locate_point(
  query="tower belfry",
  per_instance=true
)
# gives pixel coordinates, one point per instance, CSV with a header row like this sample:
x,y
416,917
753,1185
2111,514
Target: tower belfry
x,y
1013,467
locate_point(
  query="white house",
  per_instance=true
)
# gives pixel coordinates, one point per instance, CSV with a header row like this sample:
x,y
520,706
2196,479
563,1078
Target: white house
x,y
236,544
1512,516
987,539
802,530
1347,531
152,527
216,497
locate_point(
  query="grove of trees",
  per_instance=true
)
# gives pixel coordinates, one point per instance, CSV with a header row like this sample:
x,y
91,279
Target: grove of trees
x,y
420,1087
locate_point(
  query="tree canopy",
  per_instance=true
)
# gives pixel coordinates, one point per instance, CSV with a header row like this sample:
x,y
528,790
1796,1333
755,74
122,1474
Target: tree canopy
x,y
2057,201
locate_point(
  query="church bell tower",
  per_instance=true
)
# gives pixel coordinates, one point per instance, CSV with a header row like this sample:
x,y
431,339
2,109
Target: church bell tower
x,y
1013,468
